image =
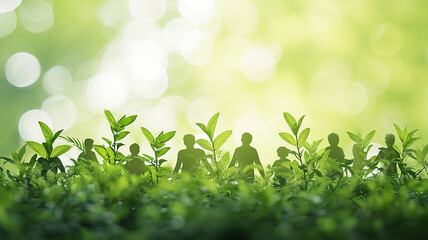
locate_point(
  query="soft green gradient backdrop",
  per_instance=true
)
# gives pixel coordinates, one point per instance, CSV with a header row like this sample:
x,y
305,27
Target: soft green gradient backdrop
x,y
347,65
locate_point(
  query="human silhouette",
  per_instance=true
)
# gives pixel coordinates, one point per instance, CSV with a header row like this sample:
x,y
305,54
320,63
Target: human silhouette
x,y
135,166
389,154
246,155
358,162
89,154
336,153
279,167
189,159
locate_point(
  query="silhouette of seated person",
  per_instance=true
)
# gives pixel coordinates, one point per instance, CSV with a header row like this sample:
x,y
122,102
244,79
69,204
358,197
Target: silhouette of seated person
x,y
336,153
389,154
280,167
246,156
358,162
135,166
88,154
189,159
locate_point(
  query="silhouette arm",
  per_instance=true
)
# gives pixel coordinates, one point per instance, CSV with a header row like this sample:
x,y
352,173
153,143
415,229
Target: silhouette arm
x,y
178,164
257,162
233,162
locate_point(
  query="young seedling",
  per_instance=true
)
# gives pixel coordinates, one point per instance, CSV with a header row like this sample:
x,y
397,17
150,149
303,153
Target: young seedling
x,y
24,168
111,154
48,156
407,139
158,146
214,144
363,144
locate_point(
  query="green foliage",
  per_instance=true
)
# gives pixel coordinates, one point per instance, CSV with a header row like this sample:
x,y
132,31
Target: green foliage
x,y
158,146
110,153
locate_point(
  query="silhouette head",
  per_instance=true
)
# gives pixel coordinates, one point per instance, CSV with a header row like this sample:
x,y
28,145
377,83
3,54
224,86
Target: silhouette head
x,y
282,152
246,139
389,139
189,140
134,149
89,143
333,139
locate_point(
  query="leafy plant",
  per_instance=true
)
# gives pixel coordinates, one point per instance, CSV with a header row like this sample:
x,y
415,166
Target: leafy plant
x,y
407,139
365,146
214,144
48,155
158,146
298,140
24,168
111,154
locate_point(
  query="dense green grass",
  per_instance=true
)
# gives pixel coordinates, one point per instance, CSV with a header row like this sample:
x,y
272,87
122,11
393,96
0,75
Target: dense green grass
x,y
104,201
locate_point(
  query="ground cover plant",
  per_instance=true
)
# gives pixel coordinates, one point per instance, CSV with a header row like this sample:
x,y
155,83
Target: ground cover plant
x,y
311,194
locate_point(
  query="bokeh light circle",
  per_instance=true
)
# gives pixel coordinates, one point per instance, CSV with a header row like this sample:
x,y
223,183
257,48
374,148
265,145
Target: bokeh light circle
x,y
36,15
147,10
241,17
61,110
9,5
352,100
174,32
22,69
258,64
7,23
197,11
28,125
57,80
255,126
149,86
374,76
387,39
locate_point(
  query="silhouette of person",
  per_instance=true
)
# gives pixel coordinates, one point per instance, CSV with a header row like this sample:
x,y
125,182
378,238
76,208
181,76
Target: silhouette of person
x,y
189,159
358,162
89,154
246,155
336,152
136,166
278,166
389,154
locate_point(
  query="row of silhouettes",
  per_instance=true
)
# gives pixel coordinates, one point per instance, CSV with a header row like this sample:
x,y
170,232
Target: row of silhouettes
x,y
245,156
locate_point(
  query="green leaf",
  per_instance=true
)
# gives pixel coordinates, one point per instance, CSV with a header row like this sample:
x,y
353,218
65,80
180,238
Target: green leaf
x,y
221,139
161,161
127,120
162,151
148,136
47,132
318,173
110,118
204,128
57,135
120,136
204,144
400,132
291,121
288,138
38,148
21,152
355,137
369,138
58,151
303,136
212,123
101,151
107,141
167,136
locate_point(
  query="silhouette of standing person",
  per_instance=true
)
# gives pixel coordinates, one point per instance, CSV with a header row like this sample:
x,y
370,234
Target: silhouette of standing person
x,y
279,166
89,154
336,152
246,155
389,154
189,159
358,162
136,166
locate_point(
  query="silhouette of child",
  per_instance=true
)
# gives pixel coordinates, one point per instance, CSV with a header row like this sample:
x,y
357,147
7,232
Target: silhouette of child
x,y
279,167
89,154
246,155
189,159
389,154
136,166
336,153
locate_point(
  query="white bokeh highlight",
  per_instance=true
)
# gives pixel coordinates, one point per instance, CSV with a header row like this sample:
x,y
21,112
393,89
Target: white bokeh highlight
x,y
62,111
57,80
147,10
36,16
28,125
7,23
22,69
9,5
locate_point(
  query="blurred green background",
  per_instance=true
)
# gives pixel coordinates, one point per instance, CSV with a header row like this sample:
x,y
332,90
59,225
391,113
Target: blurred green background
x,y
347,65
